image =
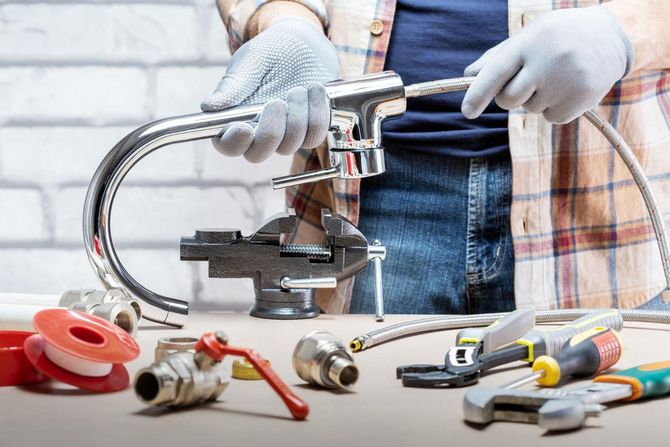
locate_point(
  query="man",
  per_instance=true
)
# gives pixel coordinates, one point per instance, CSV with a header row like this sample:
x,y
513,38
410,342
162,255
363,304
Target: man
x,y
463,235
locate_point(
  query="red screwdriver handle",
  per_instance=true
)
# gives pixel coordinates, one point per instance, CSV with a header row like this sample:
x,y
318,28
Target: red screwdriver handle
x,y
217,350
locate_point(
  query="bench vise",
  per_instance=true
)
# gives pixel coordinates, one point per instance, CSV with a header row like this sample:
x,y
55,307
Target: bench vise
x,y
285,276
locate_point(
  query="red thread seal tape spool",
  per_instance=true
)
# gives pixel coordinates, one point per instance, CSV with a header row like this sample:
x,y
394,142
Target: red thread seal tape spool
x,y
81,350
15,368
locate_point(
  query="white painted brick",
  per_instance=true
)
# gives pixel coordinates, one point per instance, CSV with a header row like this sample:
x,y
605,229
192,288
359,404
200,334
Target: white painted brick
x,y
135,32
22,216
50,155
216,40
179,91
66,211
96,94
160,271
269,202
160,214
49,271
54,154
220,167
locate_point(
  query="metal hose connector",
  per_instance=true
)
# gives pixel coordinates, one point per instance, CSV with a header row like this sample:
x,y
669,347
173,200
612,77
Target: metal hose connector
x,y
449,322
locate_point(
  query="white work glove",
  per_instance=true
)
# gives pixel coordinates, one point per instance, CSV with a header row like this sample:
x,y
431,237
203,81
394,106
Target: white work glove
x,y
285,67
561,65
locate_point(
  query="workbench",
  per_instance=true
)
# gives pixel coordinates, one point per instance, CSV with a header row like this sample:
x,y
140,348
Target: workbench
x,y
380,411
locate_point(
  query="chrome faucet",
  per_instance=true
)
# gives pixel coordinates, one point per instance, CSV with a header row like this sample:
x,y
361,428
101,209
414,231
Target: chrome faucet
x,y
358,107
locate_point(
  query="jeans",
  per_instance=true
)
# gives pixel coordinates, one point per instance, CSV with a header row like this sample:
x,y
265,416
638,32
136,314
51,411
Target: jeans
x,y
655,303
445,223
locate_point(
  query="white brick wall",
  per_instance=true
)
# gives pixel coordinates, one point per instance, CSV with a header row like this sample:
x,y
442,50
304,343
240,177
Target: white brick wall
x,y
75,77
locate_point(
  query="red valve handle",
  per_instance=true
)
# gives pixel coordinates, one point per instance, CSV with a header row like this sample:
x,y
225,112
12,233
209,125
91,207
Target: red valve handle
x,y
210,344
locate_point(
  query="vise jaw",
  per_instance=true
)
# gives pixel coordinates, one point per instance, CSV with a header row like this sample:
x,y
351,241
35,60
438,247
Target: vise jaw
x,y
285,276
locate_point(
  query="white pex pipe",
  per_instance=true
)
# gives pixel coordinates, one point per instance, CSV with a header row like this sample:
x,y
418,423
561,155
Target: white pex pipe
x,y
29,299
19,318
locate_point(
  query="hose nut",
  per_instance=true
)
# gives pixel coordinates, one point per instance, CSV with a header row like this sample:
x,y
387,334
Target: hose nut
x,y
119,313
322,359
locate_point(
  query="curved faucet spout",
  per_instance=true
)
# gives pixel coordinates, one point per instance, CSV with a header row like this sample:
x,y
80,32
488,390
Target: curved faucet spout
x,y
105,183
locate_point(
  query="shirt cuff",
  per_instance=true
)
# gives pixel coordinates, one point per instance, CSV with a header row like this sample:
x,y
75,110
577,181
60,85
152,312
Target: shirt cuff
x,y
242,10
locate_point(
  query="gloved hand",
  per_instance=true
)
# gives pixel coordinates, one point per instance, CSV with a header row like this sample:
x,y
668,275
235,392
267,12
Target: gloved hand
x,y
561,65
285,66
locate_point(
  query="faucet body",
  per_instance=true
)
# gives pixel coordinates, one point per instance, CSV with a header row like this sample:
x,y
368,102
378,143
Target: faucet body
x,y
359,105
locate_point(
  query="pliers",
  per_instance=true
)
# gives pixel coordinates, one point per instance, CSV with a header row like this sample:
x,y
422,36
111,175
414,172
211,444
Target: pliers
x,y
476,350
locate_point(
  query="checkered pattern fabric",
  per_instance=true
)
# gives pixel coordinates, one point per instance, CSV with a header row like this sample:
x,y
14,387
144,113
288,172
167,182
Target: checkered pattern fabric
x,y
582,237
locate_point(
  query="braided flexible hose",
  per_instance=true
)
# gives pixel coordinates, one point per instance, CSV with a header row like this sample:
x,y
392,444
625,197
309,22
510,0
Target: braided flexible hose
x,y
444,323
553,316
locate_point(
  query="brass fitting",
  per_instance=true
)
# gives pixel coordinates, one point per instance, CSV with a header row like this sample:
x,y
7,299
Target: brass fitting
x,y
92,296
181,379
322,359
186,378
243,370
167,346
120,313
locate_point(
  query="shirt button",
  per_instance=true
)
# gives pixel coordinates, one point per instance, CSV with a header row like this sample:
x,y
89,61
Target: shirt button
x,y
376,27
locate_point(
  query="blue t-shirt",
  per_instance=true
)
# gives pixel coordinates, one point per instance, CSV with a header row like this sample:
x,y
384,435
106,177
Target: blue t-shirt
x,y
435,39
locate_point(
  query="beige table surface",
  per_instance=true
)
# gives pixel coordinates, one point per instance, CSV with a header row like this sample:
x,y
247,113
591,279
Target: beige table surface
x,y
379,412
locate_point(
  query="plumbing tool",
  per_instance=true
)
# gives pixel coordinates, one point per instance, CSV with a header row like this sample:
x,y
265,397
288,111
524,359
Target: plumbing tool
x,y
16,368
17,310
322,359
463,363
358,107
568,408
586,354
284,276
81,350
485,405
185,378
527,348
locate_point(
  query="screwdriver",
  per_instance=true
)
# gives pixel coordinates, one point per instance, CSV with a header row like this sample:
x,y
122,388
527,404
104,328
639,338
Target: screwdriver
x,y
584,355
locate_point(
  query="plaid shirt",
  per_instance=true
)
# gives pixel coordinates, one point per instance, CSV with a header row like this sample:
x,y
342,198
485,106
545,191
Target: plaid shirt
x,y
582,237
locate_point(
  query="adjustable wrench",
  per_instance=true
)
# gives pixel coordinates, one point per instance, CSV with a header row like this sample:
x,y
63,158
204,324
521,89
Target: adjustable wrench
x,y
463,361
566,409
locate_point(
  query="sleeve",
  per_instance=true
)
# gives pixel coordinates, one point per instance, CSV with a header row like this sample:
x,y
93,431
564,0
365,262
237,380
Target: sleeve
x,y
646,24
236,15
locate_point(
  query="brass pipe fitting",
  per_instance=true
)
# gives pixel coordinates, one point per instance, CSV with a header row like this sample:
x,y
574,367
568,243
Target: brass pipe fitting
x,y
186,378
322,359
167,346
92,296
181,379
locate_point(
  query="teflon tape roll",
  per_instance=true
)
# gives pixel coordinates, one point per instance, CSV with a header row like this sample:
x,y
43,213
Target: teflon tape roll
x,y
15,368
81,350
